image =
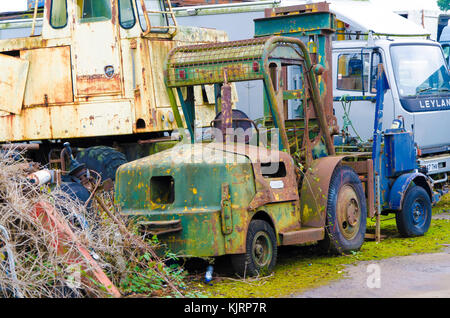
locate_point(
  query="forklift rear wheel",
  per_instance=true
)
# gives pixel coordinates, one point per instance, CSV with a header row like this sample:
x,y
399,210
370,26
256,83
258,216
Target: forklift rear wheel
x,y
261,251
415,217
102,159
346,213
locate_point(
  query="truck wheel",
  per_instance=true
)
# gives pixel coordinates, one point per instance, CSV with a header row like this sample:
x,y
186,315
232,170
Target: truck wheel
x,y
415,217
261,251
104,160
346,213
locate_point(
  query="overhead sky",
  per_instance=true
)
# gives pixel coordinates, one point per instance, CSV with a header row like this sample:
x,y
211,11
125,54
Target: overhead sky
x,y
13,5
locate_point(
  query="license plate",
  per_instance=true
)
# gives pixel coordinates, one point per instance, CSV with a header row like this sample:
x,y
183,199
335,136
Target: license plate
x,y
434,166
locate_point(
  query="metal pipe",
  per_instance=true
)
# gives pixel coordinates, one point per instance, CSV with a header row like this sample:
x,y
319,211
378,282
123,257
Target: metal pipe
x,y
318,107
36,4
20,146
440,180
378,211
231,5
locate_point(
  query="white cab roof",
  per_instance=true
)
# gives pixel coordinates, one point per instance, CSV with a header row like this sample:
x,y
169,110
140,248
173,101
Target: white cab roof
x,y
365,17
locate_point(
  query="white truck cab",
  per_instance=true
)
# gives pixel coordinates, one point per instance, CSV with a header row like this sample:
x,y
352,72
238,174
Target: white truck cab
x,y
419,92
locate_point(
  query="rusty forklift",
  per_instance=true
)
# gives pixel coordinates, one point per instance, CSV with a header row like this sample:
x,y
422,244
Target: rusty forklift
x,y
245,187
231,194
90,72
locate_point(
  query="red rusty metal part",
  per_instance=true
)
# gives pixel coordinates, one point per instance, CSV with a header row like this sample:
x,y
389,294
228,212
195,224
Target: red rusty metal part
x,y
49,219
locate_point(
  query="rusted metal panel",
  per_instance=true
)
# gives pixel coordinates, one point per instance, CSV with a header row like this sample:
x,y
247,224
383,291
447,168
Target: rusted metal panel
x,y
32,124
158,53
189,34
302,236
266,191
73,121
18,44
92,119
96,58
97,84
49,77
198,201
13,76
314,191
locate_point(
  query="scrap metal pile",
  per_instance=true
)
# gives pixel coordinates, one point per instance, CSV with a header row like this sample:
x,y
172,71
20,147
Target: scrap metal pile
x,y
53,245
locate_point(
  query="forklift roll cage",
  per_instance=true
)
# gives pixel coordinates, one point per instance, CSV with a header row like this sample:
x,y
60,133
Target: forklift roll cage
x,y
247,60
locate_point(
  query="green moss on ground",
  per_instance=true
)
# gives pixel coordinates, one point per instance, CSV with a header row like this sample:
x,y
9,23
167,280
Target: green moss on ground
x,y
443,205
302,268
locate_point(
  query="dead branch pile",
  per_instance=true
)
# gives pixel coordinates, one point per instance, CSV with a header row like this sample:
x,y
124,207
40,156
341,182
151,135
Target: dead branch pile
x,y
31,262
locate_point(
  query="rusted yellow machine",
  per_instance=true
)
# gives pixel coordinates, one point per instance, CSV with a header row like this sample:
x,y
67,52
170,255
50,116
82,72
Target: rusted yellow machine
x,y
91,72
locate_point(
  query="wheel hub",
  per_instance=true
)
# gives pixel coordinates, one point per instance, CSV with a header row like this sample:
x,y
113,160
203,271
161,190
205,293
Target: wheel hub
x,y
352,212
262,249
348,212
418,213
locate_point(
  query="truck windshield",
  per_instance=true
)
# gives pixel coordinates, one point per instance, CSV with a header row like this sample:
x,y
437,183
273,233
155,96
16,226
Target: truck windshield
x,y
420,70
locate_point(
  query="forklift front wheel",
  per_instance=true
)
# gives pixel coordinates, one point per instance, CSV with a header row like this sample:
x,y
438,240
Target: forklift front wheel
x,y
261,251
415,217
346,213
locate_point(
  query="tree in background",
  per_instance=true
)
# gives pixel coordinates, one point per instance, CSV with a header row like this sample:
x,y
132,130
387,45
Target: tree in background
x,y
444,5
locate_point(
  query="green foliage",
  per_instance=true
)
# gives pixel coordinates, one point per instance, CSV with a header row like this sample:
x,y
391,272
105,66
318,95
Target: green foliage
x,y
444,5
144,278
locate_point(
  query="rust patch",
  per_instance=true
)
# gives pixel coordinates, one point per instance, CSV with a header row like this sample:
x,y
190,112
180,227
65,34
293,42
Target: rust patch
x,y
56,87
97,84
265,192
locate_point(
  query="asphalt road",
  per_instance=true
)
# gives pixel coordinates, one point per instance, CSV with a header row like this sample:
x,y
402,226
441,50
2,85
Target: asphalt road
x,y
413,276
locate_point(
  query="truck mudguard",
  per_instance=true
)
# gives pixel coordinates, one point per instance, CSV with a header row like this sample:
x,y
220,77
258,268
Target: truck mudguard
x,y
402,183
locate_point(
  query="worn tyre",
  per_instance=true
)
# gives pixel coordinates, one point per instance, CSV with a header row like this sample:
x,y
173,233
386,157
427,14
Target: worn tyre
x,y
261,251
346,213
415,217
104,160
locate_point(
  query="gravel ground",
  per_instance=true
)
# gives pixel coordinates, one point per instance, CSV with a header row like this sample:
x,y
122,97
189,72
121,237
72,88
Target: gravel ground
x,y
413,276
422,276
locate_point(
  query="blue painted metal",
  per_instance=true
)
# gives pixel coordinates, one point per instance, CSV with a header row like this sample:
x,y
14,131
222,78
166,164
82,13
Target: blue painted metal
x,y
400,152
31,4
377,149
395,161
418,213
401,184
188,109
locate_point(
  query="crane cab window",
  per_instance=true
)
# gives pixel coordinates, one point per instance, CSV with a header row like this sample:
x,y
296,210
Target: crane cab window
x,y
127,18
93,10
156,19
58,14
